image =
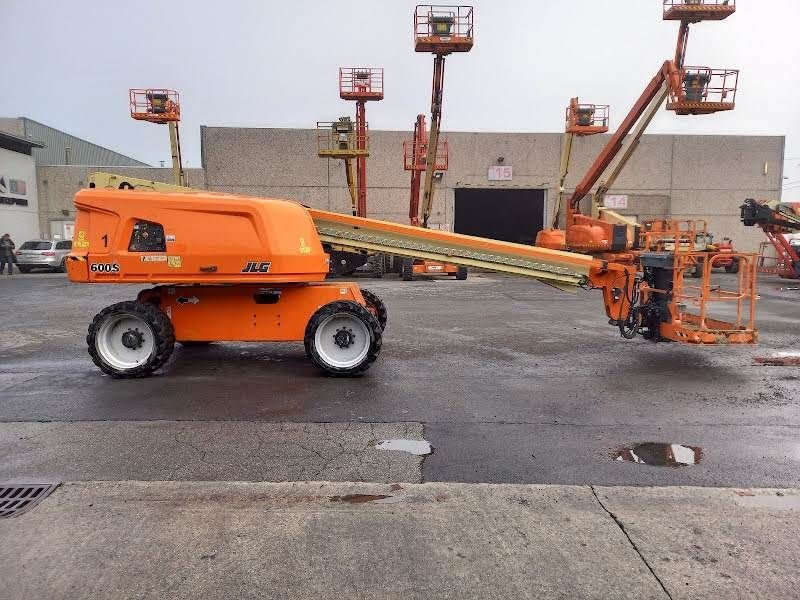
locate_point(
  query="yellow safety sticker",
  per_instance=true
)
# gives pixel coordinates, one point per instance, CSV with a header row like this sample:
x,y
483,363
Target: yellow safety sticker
x,y
81,241
175,262
154,258
304,249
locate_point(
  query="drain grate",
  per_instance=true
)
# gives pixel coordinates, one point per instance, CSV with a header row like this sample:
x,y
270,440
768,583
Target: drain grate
x,y
16,498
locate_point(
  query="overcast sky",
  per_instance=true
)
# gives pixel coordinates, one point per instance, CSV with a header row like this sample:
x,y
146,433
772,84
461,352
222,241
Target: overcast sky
x,y
69,64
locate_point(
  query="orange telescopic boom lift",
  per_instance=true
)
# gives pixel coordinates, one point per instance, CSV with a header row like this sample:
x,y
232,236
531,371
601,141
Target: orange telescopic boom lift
x,y
161,106
440,30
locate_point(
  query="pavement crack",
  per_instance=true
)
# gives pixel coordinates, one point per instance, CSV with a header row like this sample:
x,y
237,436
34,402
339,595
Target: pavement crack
x,y
624,531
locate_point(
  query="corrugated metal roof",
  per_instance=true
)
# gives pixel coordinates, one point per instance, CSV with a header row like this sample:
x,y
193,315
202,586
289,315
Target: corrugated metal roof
x,y
18,144
81,152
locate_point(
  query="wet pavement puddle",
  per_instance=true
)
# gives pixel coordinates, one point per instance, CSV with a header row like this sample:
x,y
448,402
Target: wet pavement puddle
x,y
418,447
660,455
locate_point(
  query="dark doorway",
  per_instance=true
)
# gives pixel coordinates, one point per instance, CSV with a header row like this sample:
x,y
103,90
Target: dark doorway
x,y
513,215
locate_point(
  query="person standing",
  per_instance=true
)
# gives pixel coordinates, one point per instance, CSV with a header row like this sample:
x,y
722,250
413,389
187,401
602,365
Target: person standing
x,y
7,253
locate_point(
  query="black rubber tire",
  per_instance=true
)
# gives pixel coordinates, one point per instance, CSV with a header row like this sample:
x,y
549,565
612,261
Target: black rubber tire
x,y
407,269
697,271
378,266
346,306
733,267
163,333
24,269
388,267
461,273
376,307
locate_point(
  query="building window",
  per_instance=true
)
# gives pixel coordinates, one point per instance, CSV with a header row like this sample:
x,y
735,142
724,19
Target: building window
x,y
17,186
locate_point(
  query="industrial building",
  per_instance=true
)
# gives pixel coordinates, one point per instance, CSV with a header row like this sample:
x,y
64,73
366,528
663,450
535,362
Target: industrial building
x,y
685,176
500,185
28,149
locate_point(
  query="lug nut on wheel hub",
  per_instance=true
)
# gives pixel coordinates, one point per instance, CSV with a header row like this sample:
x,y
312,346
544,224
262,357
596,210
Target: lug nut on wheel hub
x,y
344,337
132,339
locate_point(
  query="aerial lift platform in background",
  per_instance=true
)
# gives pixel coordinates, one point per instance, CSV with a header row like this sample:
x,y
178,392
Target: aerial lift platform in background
x,y
777,220
415,159
604,234
161,106
349,141
440,30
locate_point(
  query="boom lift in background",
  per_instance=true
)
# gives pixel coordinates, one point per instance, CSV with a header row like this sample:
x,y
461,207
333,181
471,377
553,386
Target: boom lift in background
x,y
658,235
609,236
687,91
777,220
349,141
161,106
582,120
440,30
415,159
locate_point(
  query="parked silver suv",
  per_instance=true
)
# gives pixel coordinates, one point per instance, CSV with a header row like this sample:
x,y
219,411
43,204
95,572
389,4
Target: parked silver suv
x,y
47,254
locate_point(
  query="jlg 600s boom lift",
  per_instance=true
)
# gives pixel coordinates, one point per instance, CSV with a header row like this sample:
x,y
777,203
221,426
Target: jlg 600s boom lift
x,y
263,277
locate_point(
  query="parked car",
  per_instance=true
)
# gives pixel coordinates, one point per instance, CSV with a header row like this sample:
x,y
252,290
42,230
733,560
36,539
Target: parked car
x,y
45,254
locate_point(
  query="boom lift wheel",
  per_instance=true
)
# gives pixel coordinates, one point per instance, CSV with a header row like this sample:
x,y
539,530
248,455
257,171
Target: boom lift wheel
x,y
407,269
343,339
388,267
733,267
376,307
130,339
461,273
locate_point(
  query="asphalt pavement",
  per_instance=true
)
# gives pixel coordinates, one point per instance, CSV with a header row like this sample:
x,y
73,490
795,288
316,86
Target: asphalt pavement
x,y
511,381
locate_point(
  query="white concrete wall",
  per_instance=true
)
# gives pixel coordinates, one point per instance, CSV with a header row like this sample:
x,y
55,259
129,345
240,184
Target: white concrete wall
x,y
22,222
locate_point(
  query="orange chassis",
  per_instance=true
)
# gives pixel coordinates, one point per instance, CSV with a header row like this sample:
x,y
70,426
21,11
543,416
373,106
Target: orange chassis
x,y
242,269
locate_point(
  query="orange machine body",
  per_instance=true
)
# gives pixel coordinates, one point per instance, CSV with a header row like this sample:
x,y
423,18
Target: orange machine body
x,y
196,238
195,246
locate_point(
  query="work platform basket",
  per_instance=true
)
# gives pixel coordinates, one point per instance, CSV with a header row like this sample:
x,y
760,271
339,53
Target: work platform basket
x,y
360,83
443,29
415,155
586,119
155,105
698,10
703,90
341,139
